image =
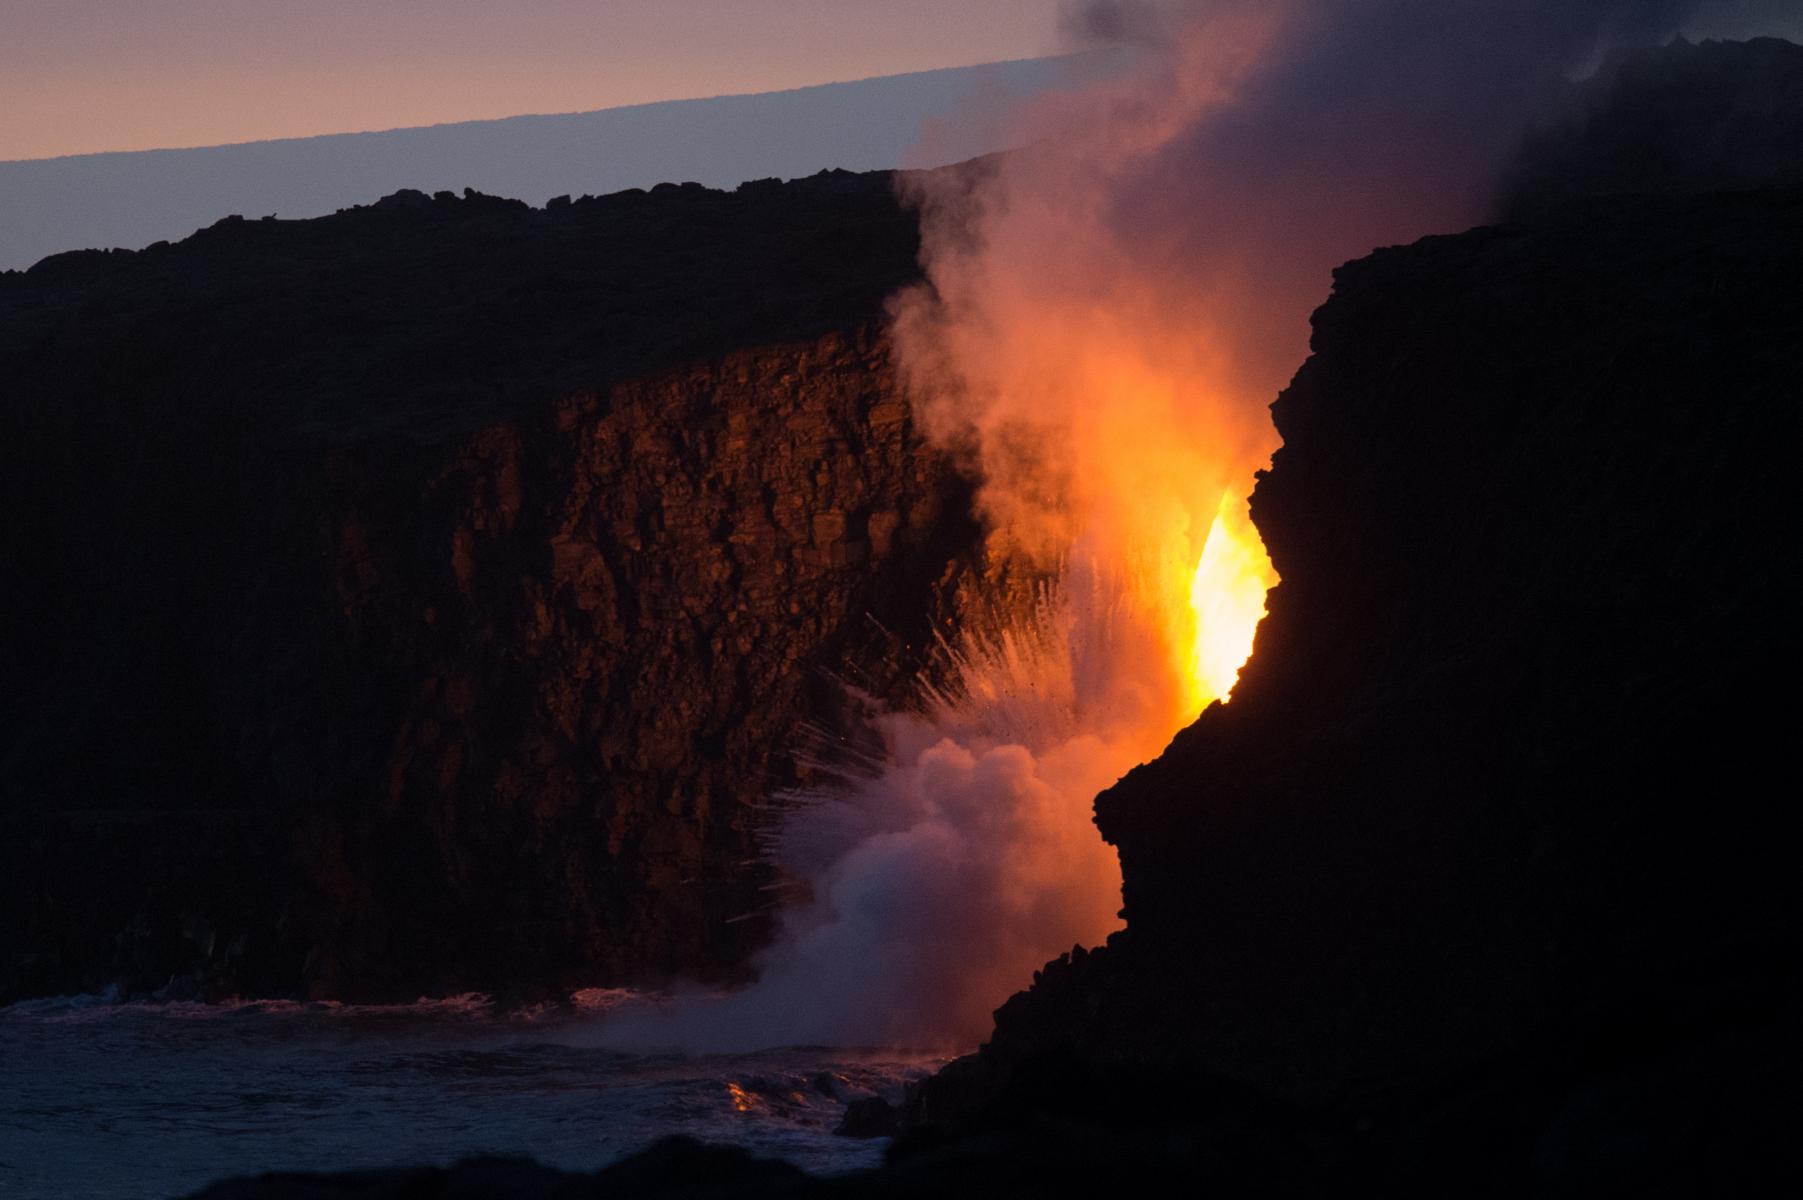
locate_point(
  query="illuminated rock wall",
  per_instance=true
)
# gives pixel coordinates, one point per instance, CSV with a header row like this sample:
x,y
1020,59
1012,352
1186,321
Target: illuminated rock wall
x,y
425,598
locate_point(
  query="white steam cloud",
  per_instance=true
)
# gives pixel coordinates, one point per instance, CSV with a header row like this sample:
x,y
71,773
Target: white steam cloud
x,y
1107,314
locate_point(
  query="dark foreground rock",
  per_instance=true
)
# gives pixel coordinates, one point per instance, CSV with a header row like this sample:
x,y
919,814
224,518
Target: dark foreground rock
x,y
676,1166
1488,856
1049,1158
425,599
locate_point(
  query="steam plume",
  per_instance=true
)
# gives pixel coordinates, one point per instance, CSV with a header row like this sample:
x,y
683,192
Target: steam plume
x,y
1107,314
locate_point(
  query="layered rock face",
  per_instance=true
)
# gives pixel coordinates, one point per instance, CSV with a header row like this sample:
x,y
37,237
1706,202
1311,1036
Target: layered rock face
x,y
428,598
1486,859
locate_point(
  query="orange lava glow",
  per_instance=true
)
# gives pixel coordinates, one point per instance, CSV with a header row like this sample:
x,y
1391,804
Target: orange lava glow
x,y
1106,382
1106,359
1227,600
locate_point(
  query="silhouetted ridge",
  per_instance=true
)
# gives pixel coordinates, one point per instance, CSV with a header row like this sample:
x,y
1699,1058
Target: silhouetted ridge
x,y
427,598
452,308
1484,861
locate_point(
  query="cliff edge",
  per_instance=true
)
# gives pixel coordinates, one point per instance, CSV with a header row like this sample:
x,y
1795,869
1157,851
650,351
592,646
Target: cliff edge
x,y
427,598
1485,860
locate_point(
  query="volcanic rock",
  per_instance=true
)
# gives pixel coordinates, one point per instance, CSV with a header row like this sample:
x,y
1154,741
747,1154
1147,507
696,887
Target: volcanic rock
x,y
1486,859
427,598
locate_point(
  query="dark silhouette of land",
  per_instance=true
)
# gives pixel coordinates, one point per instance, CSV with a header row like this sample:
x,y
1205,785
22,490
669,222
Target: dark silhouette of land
x,y
428,597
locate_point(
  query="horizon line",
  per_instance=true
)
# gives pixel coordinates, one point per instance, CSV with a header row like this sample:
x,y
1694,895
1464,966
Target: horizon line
x,y
581,112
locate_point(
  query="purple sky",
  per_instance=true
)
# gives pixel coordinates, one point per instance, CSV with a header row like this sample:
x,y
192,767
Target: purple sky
x,y
78,76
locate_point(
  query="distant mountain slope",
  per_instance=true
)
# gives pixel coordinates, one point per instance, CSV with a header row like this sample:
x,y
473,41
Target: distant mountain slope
x,y
134,199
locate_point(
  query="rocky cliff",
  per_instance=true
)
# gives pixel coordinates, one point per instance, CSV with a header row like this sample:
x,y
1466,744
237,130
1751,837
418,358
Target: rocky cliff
x,y
1486,859
426,598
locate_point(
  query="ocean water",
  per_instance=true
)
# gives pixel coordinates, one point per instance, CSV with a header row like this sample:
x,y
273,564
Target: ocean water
x,y
107,1101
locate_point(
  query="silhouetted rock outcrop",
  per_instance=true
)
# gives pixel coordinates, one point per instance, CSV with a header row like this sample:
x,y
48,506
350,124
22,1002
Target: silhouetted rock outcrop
x,y
422,599
1486,860
675,1166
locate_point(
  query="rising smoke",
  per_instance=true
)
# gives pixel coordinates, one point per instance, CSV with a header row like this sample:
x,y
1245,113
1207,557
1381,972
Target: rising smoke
x,y
1106,315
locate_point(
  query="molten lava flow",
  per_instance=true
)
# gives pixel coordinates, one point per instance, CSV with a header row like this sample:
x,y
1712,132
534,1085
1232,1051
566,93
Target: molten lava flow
x,y
1227,596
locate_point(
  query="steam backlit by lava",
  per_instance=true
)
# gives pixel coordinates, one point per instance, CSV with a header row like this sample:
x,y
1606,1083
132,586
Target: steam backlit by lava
x,y
1107,314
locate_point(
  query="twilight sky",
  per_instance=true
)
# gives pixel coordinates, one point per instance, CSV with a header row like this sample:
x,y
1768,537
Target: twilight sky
x,y
78,76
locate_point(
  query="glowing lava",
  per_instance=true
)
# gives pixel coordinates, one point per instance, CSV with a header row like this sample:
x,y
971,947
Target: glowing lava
x,y
1227,598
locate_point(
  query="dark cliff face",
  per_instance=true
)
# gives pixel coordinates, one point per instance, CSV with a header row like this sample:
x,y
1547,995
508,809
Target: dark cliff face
x,y
1507,725
1486,859
426,598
